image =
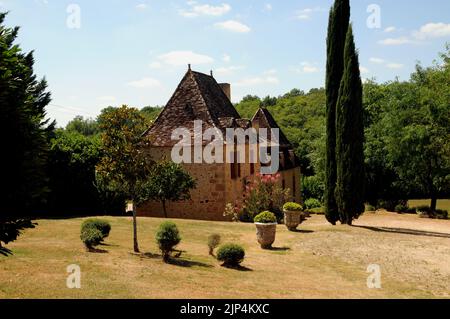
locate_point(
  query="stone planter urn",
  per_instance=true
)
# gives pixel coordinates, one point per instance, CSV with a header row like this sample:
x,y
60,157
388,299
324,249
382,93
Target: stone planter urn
x,y
266,229
265,233
293,218
293,215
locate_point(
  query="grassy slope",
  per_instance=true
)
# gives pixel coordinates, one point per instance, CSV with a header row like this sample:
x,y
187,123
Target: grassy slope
x,y
442,203
38,267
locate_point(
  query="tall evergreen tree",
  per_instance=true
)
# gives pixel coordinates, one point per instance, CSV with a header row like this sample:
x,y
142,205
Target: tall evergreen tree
x,y
25,135
350,138
337,29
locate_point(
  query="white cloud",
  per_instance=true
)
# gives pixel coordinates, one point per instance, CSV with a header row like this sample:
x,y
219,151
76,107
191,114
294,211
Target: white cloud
x,y
305,14
255,81
155,65
178,58
141,6
234,26
228,70
268,7
390,29
307,67
396,41
364,70
433,30
226,58
107,98
395,66
377,60
144,83
270,72
204,10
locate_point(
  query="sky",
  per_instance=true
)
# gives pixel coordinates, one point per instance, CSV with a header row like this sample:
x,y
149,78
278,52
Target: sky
x,y
96,53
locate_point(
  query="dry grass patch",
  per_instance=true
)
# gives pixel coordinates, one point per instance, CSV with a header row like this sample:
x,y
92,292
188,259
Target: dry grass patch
x,y
320,261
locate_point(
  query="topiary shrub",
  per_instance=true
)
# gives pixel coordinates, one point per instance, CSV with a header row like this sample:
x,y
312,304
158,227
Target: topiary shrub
x,y
102,225
213,243
90,236
231,255
312,203
401,208
292,207
265,218
370,208
167,238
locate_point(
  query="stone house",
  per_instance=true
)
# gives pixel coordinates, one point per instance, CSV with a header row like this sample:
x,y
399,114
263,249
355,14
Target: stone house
x,y
200,97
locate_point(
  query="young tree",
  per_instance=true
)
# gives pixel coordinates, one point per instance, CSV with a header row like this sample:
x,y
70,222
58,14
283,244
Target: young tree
x,y
169,182
350,138
125,167
337,30
25,136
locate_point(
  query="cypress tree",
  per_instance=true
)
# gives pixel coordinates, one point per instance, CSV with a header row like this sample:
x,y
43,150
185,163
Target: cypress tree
x,y
350,138
337,29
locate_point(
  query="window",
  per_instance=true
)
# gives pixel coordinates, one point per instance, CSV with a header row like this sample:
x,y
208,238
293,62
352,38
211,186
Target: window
x,y
252,168
235,167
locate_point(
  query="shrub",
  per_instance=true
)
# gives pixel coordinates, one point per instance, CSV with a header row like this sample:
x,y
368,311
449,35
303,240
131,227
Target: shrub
x,y
370,208
401,208
167,238
91,236
441,214
213,242
102,225
293,207
231,254
423,209
312,187
390,205
265,218
312,203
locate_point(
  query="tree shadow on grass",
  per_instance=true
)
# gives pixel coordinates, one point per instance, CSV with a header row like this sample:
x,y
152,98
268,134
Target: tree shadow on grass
x,y
5,251
405,231
302,231
97,251
108,245
238,268
176,260
278,249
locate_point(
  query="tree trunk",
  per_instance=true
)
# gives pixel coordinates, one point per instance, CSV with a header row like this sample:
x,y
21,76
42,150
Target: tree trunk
x,y
433,203
164,208
135,240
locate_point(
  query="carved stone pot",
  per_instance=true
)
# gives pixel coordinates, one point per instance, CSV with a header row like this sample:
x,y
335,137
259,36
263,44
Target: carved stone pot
x,y
265,233
293,218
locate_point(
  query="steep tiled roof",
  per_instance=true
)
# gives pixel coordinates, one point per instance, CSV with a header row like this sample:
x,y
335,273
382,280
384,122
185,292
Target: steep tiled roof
x,y
263,119
198,97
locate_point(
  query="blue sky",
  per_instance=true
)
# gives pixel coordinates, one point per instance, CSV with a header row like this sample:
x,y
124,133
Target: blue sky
x,y
136,51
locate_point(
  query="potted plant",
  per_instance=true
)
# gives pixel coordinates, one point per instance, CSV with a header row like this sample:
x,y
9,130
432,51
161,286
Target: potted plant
x,y
293,215
266,228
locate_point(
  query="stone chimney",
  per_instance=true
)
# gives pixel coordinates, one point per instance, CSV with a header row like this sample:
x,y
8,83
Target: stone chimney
x,y
226,88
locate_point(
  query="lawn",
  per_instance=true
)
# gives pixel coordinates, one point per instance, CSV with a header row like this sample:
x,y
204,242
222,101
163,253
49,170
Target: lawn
x,y
441,204
321,261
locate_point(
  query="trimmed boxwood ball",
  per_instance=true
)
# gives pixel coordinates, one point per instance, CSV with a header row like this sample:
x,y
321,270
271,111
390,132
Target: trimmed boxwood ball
x,y
231,254
167,238
292,207
91,236
312,203
102,225
265,218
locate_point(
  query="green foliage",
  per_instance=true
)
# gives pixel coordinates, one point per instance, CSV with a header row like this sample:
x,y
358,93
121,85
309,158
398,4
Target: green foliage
x,y
24,129
312,187
25,135
213,243
167,238
169,182
265,218
85,127
151,113
261,194
231,255
91,236
370,208
401,208
312,203
293,207
349,190
337,32
102,225
124,167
